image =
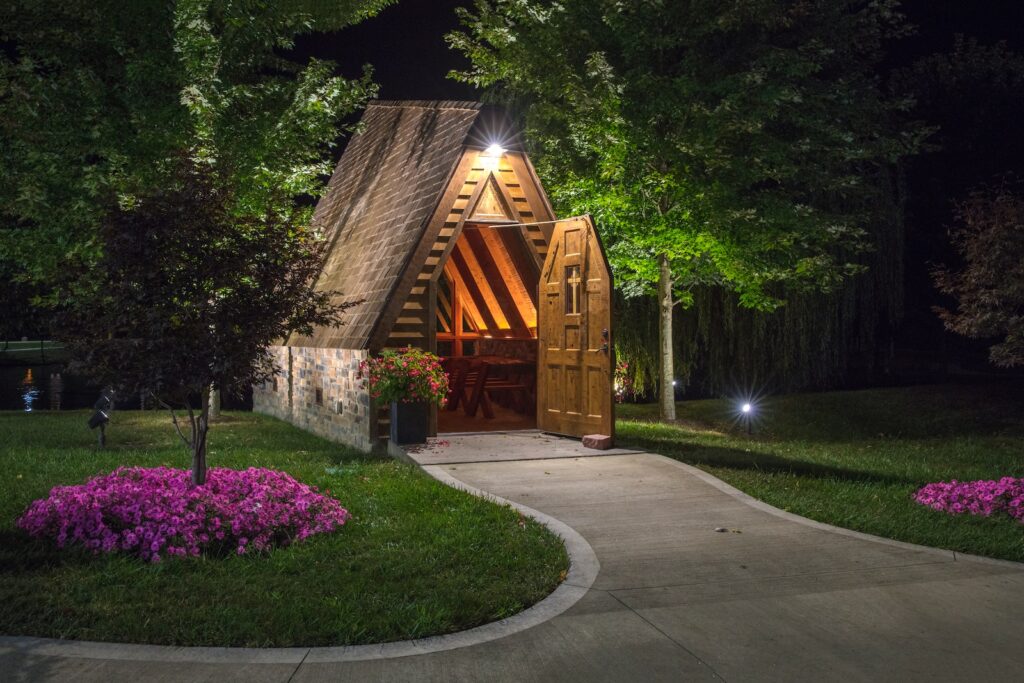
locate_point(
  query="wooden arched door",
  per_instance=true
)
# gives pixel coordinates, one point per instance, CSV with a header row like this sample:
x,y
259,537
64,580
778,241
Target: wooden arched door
x,y
575,358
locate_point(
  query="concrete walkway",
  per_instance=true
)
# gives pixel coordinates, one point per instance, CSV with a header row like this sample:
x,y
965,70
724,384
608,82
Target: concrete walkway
x,y
772,598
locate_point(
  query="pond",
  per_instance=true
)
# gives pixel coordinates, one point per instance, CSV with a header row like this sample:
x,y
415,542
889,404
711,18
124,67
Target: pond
x,y
48,386
44,386
34,376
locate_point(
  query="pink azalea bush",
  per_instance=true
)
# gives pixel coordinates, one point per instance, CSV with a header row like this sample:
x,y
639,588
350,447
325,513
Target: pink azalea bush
x,y
157,512
984,498
406,375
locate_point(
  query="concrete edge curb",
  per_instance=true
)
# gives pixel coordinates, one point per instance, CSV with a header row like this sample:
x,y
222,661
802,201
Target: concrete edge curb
x,y
747,499
583,570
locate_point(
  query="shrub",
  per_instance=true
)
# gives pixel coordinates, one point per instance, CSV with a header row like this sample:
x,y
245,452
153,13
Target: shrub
x,y
157,512
984,498
406,375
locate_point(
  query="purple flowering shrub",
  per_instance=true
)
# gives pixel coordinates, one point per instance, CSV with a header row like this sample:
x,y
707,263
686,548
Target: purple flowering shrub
x,y
156,512
984,498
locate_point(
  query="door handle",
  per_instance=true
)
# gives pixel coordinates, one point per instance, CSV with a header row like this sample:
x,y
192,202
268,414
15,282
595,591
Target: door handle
x,y
604,336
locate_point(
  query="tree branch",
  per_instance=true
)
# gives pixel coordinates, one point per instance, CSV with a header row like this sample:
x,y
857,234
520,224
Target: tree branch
x,y
192,423
174,418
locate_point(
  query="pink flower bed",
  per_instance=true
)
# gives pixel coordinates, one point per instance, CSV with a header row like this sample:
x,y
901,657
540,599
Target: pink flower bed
x,y
156,512
984,498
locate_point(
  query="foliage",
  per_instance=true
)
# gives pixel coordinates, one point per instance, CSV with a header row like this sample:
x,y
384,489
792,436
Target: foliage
x,y
625,388
155,512
990,289
417,558
406,375
982,498
742,140
737,152
98,101
188,295
99,97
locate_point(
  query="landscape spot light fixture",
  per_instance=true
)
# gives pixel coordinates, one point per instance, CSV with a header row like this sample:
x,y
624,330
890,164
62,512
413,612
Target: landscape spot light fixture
x,y
103,407
494,150
747,412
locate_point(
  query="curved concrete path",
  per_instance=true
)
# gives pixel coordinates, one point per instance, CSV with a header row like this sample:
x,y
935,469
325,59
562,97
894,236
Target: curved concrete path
x,y
773,598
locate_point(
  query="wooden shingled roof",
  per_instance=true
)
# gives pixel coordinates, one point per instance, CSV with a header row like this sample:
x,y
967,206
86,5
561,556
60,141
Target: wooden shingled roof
x,y
378,202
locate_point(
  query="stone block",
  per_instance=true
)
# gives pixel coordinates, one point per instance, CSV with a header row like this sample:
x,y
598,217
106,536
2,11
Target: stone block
x,y
600,442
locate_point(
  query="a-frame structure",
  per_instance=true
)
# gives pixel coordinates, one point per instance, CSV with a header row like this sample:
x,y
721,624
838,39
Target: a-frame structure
x,y
439,226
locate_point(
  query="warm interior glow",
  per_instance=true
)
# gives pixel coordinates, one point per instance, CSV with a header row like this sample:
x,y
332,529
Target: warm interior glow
x,y
483,293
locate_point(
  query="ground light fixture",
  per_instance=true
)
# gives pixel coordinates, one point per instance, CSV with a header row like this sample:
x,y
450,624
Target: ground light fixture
x,y
494,150
747,413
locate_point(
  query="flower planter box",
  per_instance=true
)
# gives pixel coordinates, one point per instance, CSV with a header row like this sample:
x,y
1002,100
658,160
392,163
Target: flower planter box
x,y
409,422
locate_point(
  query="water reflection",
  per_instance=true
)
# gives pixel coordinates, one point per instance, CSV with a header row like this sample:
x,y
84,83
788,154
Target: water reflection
x,y
53,388
29,392
56,390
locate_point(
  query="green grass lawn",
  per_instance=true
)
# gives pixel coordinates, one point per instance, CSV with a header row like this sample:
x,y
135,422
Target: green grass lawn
x,y
417,558
855,458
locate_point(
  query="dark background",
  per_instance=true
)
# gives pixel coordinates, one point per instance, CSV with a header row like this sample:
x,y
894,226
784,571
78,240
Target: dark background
x,y
405,43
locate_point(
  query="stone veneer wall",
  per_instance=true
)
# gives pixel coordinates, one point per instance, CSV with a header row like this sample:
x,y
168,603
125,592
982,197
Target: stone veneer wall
x,y
341,412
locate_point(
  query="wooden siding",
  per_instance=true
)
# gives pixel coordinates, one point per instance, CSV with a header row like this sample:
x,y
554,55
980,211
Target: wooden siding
x,y
409,320
378,203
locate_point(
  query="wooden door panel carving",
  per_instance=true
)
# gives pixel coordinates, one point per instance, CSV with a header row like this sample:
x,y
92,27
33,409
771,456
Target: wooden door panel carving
x,y
575,356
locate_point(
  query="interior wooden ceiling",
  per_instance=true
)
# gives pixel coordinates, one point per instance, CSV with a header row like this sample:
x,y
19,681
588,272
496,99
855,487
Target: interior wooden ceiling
x,y
489,264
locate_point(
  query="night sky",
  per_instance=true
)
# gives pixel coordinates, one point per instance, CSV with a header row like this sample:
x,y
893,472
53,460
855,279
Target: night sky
x,y
405,43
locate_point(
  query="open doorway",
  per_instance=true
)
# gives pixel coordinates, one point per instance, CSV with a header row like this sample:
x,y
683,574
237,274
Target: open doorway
x,y
486,330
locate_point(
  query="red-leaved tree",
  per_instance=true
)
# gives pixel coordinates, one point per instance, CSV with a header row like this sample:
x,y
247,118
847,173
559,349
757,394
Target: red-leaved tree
x,y
189,295
989,290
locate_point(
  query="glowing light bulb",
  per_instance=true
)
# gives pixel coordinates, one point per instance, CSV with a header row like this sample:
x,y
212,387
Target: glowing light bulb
x,y
746,408
495,150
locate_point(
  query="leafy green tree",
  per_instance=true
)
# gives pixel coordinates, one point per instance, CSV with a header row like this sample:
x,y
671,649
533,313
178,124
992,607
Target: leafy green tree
x,y
116,119
734,145
99,96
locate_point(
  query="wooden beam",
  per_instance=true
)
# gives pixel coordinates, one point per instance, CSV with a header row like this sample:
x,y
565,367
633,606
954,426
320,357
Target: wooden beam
x,y
461,300
411,269
505,280
447,308
532,188
478,287
523,259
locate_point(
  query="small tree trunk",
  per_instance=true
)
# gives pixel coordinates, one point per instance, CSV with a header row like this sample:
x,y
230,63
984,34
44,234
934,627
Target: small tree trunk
x,y
200,427
667,365
214,403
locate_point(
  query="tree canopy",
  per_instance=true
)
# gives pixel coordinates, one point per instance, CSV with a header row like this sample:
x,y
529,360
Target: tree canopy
x,y
741,139
157,164
99,97
744,146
